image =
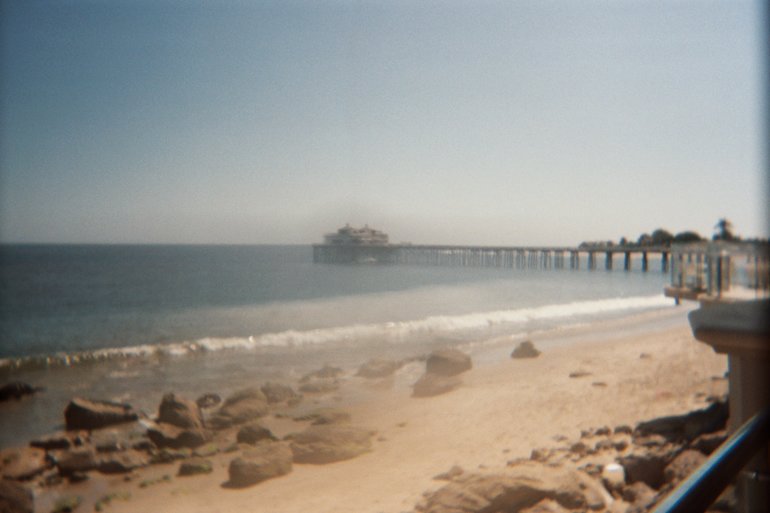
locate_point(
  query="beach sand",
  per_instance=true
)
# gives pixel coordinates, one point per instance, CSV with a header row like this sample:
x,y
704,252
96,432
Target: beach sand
x,y
502,411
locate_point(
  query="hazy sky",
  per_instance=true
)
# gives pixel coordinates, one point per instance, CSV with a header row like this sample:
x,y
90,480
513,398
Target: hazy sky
x,y
542,122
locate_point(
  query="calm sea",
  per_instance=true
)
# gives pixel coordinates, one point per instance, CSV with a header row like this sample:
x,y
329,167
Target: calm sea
x,y
130,322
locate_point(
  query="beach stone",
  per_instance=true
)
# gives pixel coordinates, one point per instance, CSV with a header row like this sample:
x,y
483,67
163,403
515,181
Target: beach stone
x,y
179,412
324,416
242,406
687,427
22,462
208,400
430,385
325,372
623,429
546,506
329,443
378,368
450,474
51,442
645,467
122,462
613,477
523,486
447,362
167,455
16,390
709,442
83,413
579,374
276,393
525,349
639,494
79,459
253,433
195,466
320,386
265,461
15,498
166,435
683,465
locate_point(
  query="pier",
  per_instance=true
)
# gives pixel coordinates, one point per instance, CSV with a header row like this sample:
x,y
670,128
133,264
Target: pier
x,y
516,257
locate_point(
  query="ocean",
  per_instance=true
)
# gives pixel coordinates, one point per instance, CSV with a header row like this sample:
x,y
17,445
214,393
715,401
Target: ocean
x,y
130,322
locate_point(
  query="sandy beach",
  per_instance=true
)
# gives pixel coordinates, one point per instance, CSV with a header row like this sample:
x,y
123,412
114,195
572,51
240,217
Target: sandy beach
x,y
502,411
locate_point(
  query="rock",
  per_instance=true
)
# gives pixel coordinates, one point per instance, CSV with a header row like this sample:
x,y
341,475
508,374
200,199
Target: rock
x,y
122,462
620,445
329,443
639,494
267,460
447,362
604,445
195,466
650,441
540,454
22,462
430,385
525,349
79,459
205,451
242,406
683,465
166,435
180,412
613,477
645,467
326,372
325,416
709,442
579,448
602,431
253,433
378,368
579,374
208,401
623,429
15,498
54,441
450,474
522,487
16,390
546,506
677,428
276,393
167,455
87,414
320,386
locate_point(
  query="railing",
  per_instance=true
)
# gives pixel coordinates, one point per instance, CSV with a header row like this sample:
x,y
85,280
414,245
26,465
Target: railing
x,y
703,487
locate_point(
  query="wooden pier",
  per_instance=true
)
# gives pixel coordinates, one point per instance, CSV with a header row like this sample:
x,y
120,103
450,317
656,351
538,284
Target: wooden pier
x,y
489,256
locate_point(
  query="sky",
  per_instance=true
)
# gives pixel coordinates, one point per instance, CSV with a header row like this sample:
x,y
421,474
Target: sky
x,y
456,122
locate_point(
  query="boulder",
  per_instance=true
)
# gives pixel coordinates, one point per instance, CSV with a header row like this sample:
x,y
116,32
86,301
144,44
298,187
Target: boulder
x,y
122,462
87,414
166,435
276,393
253,433
378,368
208,401
678,428
683,465
195,466
525,349
79,459
324,416
22,462
16,390
15,498
447,362
54,441
179,412
265,461
329,443
430,385
320,386
709,442
646,467
546,506
521,487
325,372
242,406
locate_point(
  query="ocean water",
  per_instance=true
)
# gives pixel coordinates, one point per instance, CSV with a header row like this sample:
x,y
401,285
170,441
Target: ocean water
x,y
132,322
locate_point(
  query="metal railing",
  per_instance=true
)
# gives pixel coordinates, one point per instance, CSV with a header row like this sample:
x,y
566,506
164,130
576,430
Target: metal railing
x,y
703,487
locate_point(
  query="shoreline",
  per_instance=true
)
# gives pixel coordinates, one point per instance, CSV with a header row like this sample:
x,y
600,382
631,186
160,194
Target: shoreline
x,y
503,410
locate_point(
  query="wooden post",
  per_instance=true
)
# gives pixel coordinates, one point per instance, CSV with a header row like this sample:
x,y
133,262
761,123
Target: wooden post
x,y
608,261
664,261
644,261
591,260
627,261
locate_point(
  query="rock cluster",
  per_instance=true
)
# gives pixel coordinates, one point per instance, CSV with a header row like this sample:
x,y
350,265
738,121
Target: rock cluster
x,y
442,369
525,349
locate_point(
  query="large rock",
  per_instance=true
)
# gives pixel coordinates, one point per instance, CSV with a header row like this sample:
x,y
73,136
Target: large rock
x,y
430,385
80,459
179,412
276,393
709,442
324,416
267,460
16,390
15,498
639,495
329,443
166,435
254,433
525,349
447,362
646,467
320,386
242,406
678,428
518,488
683,465
208,400
325,372
22,462
87,414
195,466
378,368
122,462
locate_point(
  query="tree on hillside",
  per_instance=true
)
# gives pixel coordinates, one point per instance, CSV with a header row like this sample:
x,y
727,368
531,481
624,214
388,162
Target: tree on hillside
x,y
723,230
687,236
661,237
644,240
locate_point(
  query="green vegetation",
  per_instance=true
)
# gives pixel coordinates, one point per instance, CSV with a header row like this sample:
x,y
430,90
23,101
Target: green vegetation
x,y
723,230
149,482
67,504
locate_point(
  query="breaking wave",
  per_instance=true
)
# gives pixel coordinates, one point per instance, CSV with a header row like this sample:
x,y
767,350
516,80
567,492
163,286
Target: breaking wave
x,y
388,332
